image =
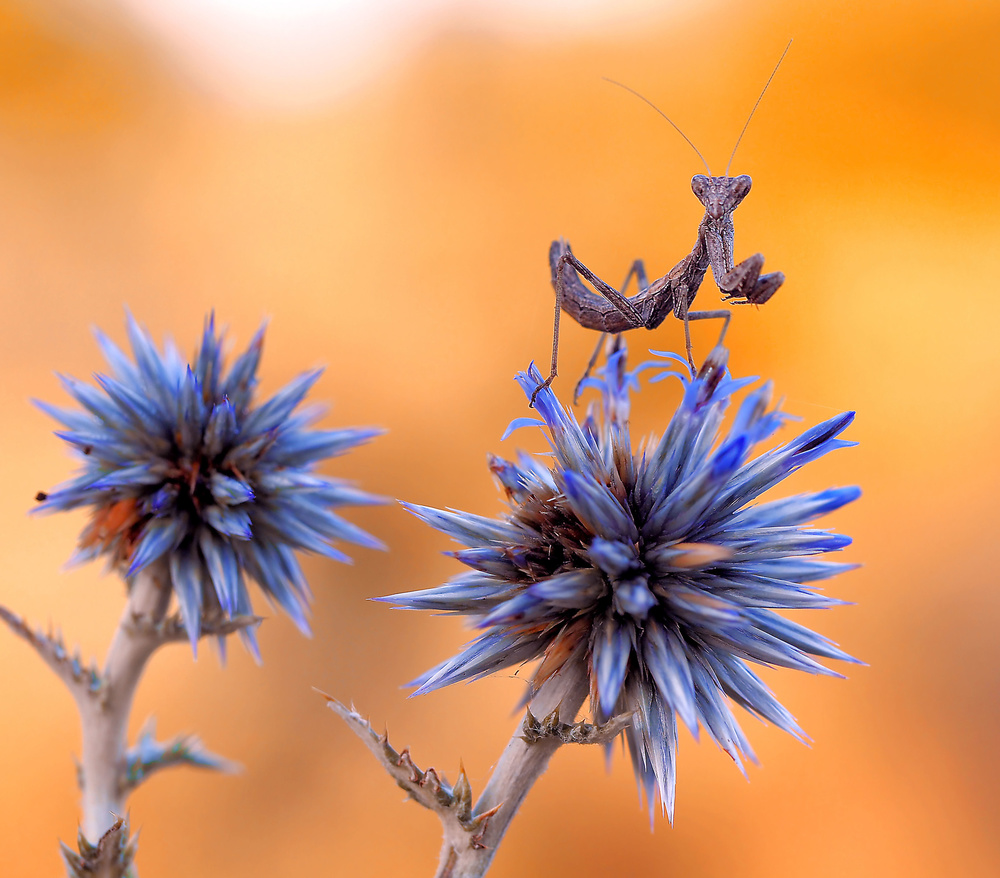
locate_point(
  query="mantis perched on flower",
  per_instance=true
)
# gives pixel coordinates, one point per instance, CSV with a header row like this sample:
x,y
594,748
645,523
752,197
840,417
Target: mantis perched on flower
x,y
610,310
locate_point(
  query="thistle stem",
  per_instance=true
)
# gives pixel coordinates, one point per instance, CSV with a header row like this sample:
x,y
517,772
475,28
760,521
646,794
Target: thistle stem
x,y
520,765
104,715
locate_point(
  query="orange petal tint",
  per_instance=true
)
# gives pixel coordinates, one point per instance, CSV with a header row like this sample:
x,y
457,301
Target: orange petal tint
x,y
109,522
700,554
559,651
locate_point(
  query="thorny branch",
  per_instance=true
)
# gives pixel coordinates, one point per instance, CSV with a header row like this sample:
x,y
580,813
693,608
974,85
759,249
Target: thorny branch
x,y
473,832
452,804
81,680
108,771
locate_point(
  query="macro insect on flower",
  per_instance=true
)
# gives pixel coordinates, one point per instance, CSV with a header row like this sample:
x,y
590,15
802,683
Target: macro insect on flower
x,y
652,569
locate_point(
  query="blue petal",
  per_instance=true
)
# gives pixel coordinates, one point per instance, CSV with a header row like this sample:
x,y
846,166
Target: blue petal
x,y
597,507
130,477
120,364
281,526
632,597
274,412
208,362
300,447
680,510
223,569
186,576
221,429
464,527
468,592
614,557
653,742
229,521
665,657
248,634
523,607
190,412
493,651
796,569
748,690
573,447
136,407
163,500
774,466
264,565
795,510
612,648
72,418
160,536
716,716
572,590
104,450
155,379
758,544
498,561
518,423
229,492
759,646
332,493
93,401
797,635
241,381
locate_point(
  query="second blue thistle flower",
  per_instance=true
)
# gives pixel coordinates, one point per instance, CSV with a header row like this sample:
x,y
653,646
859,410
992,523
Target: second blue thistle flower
x,y
181,467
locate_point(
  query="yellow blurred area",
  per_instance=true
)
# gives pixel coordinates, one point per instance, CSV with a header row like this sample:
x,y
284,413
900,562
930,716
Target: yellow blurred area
x,y
399,237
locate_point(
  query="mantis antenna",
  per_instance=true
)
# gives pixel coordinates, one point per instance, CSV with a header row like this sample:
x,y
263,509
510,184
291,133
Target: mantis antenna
x,y
665,116
754,110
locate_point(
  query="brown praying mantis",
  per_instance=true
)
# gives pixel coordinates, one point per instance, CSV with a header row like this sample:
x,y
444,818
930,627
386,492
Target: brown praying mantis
x,y
613,311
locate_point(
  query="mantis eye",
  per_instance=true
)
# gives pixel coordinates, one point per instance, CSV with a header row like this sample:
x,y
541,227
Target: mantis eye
x,y
699,185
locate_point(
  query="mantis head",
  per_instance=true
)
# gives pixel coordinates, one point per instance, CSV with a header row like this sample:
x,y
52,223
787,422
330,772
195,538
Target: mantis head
x,y
720,195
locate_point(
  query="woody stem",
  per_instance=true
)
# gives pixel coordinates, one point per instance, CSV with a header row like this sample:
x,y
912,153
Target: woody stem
x,y
104,715
519,767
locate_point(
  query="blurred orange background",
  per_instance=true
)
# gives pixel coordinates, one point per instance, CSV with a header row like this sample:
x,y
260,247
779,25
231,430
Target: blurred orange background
x,y
394,226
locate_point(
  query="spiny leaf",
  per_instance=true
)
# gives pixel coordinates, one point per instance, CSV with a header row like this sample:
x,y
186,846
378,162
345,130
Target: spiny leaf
x,y
149,756
172,628
535,729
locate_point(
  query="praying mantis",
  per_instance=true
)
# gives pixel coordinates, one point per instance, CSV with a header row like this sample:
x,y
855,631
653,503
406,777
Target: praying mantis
x,y
610,310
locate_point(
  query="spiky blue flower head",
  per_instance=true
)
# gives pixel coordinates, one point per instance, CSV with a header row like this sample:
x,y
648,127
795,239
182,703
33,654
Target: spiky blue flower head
x,y
182,468
653,567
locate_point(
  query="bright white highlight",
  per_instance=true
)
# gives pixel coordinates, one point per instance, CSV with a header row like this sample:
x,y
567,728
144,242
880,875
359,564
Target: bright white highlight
x,y
298,53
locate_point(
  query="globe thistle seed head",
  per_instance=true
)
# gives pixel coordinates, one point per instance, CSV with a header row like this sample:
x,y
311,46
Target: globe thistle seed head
x,y
182,468
653,565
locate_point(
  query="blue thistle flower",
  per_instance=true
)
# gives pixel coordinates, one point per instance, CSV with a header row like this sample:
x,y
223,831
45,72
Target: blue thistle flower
x,y
183,469
651,566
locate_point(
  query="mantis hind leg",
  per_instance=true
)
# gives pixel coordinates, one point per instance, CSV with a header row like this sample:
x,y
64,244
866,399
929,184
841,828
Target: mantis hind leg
x,y
560,256
590,368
